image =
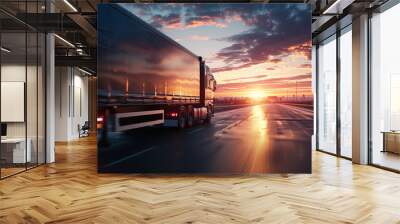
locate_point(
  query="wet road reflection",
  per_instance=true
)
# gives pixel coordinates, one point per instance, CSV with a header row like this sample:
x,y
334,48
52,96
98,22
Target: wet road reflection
x,y
271,138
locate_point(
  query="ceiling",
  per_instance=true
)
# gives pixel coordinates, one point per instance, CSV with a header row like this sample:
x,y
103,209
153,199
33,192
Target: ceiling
x,y
74,21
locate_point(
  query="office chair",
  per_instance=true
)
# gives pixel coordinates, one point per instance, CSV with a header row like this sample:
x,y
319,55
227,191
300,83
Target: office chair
x,y
84,130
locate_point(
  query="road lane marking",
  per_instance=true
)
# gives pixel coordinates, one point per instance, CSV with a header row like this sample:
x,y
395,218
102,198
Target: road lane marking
x,y
232,111
195,130
299,112
128,157
222,131
303,110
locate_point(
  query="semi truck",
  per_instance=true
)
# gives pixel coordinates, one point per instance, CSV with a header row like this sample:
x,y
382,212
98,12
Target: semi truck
x,y
146,78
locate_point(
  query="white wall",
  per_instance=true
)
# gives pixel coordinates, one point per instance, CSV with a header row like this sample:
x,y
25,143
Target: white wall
x,y
62,82
33,126
16,73
71,102
80,112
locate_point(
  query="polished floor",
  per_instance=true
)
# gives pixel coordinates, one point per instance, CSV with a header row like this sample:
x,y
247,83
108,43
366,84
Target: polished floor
x,y
387,159
5,172
71,191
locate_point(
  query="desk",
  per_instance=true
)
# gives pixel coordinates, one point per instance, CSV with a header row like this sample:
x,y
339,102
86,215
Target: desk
x,y
391,141
15,148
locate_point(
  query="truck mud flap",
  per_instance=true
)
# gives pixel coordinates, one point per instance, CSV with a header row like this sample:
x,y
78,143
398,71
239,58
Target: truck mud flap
x,y
140,119
170,123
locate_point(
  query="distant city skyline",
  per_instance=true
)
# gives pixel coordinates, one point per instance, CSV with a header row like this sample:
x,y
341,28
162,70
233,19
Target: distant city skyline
x,y
254,50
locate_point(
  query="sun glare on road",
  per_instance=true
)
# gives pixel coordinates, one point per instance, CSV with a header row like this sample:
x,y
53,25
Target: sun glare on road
x,y
259,119
259,139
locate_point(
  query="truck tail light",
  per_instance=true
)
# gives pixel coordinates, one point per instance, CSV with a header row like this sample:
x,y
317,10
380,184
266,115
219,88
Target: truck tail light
x,y
174,114
100,122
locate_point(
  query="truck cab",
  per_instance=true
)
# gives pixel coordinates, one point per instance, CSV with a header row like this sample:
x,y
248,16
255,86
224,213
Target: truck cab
x,y
210,87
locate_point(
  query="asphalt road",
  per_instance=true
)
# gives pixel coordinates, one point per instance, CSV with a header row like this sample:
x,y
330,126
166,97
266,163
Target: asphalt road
x,y
272,138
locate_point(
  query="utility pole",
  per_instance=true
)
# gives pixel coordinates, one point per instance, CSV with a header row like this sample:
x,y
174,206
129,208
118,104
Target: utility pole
x,y
287,92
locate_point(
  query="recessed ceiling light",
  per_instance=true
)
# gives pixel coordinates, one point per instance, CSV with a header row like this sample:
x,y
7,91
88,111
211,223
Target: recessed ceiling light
x,y
5,50
84,71
70,5
337,7
64,40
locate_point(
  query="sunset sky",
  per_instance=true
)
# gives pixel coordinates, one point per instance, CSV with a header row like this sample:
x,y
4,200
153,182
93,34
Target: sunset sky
x,y
249,47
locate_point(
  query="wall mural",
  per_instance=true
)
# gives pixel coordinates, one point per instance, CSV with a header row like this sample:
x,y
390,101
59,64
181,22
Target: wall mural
x,y
204,88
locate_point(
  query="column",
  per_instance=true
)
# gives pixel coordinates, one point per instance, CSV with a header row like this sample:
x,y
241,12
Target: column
x,y
360,90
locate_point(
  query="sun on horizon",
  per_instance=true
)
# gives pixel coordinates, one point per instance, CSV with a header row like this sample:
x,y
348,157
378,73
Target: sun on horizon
x,y
257,94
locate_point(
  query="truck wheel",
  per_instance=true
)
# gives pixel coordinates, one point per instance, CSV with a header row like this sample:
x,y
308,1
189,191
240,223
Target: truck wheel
x,y
207,120
190,117
209,114
182,119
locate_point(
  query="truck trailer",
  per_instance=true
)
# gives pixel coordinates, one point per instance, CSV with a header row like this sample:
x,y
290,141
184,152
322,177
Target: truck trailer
x,y
145,78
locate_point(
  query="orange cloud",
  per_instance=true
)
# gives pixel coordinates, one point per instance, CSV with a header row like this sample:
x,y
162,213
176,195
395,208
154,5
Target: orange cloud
x,y
305,65
204,21
275,60
302,49
176,25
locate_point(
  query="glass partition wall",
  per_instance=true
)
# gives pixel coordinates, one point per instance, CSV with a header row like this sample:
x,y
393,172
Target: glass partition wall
x,y
22,88
385,89
334,94
334,114
345,92
327,95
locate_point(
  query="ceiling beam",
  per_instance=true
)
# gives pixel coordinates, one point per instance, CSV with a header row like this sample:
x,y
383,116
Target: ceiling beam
x,y
337,7
86,26
78,61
